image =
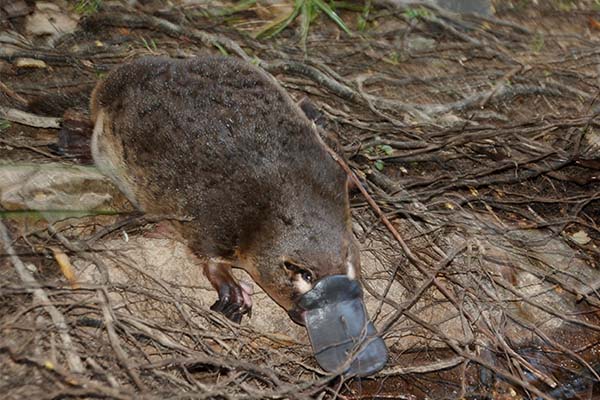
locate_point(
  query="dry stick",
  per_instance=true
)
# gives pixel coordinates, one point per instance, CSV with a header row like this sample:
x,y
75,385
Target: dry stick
x,y
417,295
11,93
31,148
553,343
25,118
594,287
503,91
101,371
418,264
178,303
440,287
261,372
517,358
77,248
375,207
170,29
75,364
89,388
505,285
114,339
111,228
423,369
501,82
298,68
340,89
498,371
156,335
424,111
371,99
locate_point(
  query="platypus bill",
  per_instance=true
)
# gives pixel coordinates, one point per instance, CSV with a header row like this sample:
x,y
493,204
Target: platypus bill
x,y
219,141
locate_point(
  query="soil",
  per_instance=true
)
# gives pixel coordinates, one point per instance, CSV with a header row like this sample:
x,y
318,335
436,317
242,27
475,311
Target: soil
x,y
476,136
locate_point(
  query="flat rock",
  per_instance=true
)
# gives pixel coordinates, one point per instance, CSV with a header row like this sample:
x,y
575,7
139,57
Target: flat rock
x,y
154,263
50,20
52,187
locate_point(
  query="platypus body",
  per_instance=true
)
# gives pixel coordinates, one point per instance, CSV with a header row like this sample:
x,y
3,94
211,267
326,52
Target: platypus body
x,y
219,143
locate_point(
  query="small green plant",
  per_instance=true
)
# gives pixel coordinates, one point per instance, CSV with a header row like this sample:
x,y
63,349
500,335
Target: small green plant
x,y
394,58
308,10
364,16
87,7
221,49
150,45
416,13
565,5
379,150
4,125
538,43
386,149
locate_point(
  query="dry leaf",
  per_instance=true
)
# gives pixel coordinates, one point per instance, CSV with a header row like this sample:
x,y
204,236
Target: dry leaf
x,y
65,266
30,63
594,24
580,237
48,19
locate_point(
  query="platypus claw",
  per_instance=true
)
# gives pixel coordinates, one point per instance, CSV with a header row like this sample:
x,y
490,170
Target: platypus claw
x,y
233,302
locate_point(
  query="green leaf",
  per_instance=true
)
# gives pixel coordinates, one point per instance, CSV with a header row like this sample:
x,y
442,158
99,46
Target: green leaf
x,y
278,25
362,23
307,11
87,7
4,124
379,165
416,13
221,48
394,57
387,149
538,43
331,14
363,18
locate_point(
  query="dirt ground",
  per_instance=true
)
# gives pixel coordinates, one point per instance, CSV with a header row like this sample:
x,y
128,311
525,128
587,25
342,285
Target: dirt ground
x,y
474,136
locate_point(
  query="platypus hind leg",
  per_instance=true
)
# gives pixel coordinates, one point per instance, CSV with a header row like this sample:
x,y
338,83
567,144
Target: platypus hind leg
x,y
234,298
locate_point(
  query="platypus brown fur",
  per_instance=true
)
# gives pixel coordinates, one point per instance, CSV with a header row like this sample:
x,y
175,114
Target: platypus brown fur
x,y
218,141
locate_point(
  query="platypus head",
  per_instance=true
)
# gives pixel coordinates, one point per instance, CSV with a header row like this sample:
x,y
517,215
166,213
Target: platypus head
x,y
311,268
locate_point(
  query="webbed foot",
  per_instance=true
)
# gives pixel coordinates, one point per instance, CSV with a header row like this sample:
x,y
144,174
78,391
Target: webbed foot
x,y
233,302
234,298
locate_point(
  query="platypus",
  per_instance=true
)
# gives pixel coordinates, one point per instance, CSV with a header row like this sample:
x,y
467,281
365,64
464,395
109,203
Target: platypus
x,y
218,142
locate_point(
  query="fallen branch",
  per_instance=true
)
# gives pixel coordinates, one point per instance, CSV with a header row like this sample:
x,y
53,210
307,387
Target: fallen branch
x,y
73,359
168,28
71,386
25,118
423,369
114,339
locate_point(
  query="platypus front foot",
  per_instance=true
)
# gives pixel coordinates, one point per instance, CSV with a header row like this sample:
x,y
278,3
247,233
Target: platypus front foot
x,y
234,301
234,298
